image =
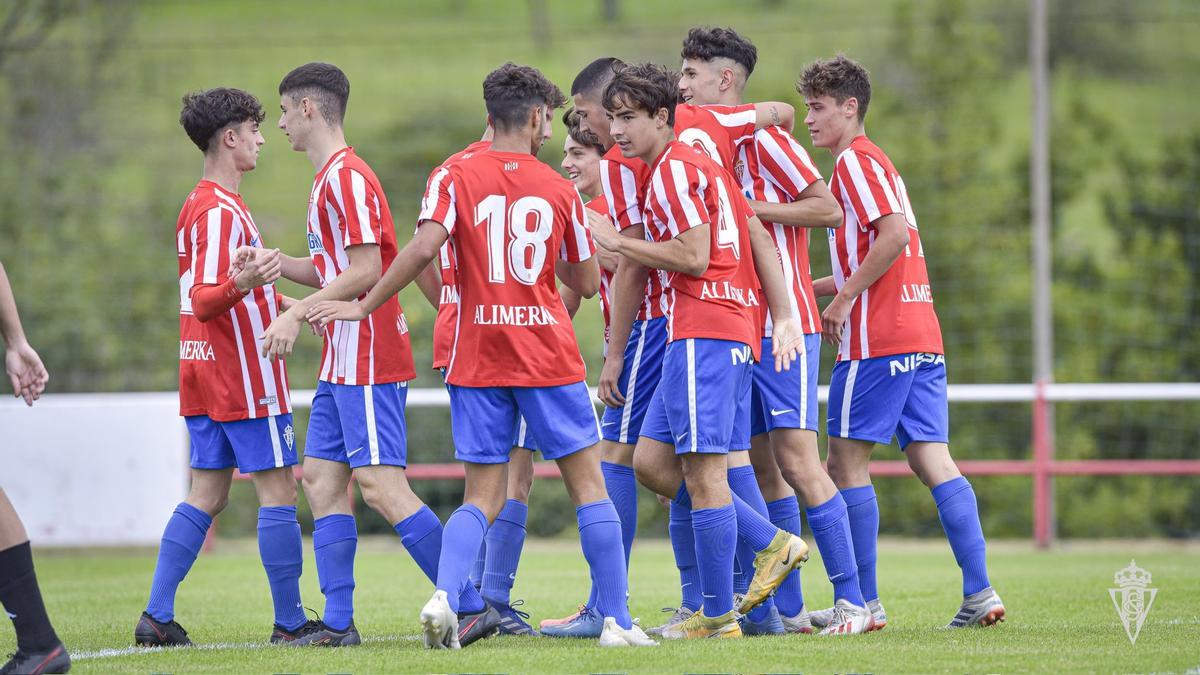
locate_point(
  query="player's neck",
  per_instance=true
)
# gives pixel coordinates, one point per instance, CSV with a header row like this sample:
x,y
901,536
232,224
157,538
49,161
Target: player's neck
x,y
511,142
652,153
324,145
220,170
852,132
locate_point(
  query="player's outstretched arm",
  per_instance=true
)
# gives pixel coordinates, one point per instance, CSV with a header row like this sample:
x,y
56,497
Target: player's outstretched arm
x,y
688,252
299,270
824,287
816,207
627,293
410,261
774,114
356,279
430,283
571,299
583,277
890,242
786,336
25,370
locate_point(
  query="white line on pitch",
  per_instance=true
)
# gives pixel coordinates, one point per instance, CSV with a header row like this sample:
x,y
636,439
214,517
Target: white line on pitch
x,y
215,646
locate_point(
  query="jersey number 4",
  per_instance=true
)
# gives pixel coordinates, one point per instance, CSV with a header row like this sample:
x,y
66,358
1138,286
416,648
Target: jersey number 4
x,y
517,235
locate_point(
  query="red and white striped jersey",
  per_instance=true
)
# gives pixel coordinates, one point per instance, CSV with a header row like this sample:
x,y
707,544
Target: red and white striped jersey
x,y
221,371
623,180
716,130
447,312
347,208
776,169
600,205
687,189
895,315
509,216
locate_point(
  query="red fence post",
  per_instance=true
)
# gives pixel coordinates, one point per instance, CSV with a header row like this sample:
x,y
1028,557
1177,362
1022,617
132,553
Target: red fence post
x,y
1043,457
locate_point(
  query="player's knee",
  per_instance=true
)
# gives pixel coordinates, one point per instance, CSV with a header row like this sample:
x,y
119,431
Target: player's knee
x,y
211,503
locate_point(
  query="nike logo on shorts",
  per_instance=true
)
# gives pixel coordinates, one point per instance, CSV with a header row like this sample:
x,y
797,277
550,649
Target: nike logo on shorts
x,y
777,413
353,452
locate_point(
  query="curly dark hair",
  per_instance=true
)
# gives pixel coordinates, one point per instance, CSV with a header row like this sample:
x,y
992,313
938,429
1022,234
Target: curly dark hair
x,y
323,82
644,86
839,77
584,138
705,44
205,113
511,91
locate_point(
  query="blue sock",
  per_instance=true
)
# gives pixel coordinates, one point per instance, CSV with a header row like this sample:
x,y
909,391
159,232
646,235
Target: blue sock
x,y
461,538
863,511
683,542
282,556
959,513
479,566
622,490
830,525
785,514
181,541
504,542
600,537
421,534
752,526
716,537
744,485
335,539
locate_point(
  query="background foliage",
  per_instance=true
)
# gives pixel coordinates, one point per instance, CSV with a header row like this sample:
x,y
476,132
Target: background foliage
x,y
95,167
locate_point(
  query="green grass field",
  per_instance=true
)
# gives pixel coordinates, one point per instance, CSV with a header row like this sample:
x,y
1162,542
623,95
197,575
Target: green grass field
x,y
1060,615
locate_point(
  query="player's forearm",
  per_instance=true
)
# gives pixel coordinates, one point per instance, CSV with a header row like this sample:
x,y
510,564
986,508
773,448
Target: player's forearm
x,y
774,114
212,300
888,247
581,277
299,270
406,267
675,255
571,300
10,321
804,212
824,287
628,292
430,283
770,271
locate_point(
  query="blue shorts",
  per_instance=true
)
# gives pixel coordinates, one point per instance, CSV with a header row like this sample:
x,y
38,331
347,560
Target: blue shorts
x,y
638,382
251,445
902,395
486,420
359,424
788,399
703,401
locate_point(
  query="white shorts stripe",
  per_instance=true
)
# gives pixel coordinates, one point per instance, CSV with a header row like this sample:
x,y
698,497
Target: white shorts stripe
x,y
521,429
631,387
691,393
275,441
847,396
803,385
372,436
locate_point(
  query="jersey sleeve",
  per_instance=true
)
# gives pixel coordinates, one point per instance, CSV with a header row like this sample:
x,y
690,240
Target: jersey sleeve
x,y
359,206
739,121
621,189
438,204
784,162
577,245
865,182
214,236
681,196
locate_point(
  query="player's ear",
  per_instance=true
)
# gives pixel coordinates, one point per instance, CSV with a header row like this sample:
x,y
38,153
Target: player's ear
x,y
727,79
306,107
535,117
229,137
850,107
660,118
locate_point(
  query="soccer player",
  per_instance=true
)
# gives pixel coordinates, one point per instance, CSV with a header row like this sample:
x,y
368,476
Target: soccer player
x,y
788,194
235,402
890,375
510,217
715,255
357,421
495,568
38,648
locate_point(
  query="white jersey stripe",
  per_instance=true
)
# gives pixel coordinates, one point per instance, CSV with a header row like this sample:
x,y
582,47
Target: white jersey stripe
x,y
679,176
358,185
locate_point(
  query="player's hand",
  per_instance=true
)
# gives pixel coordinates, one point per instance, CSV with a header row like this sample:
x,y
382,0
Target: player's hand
x,y
607,259
280,336
607,390
258,268
287,303
603,232
26,372
326,311
833,319
238,258
787,339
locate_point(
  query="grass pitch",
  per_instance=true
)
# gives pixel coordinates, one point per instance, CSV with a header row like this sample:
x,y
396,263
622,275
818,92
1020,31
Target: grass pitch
x,y
1060,615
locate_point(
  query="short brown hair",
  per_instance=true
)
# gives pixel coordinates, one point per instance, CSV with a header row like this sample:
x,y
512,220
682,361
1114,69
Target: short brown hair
x,y
584,138
511,91
324,82
707,44
207,112
644,86
839,77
